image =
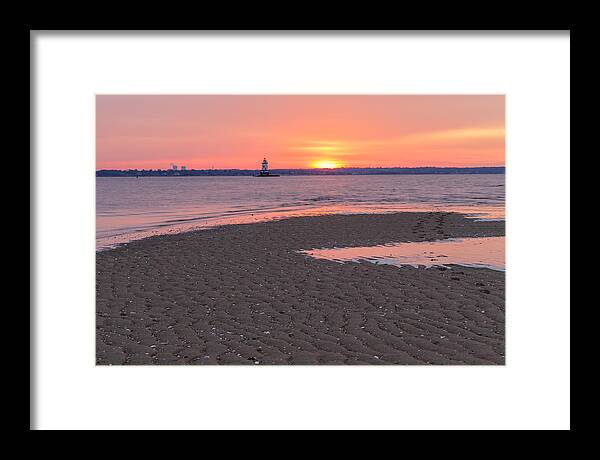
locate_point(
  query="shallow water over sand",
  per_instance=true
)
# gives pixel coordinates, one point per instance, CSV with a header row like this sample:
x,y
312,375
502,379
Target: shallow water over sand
x,y
130,208
470,252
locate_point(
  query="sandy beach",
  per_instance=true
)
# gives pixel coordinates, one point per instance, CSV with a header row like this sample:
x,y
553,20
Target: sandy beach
x,y
244,294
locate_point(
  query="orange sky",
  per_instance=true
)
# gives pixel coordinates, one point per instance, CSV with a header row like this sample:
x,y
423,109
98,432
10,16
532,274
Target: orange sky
x,y
204,132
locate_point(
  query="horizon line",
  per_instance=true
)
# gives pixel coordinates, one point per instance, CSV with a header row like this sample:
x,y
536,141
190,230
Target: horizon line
x,y
302,169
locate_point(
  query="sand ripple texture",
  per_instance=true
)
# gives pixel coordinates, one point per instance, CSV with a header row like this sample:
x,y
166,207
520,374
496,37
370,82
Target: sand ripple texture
x,y
242,294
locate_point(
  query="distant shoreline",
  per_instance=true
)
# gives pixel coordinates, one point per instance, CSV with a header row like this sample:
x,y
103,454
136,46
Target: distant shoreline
x,y
298,172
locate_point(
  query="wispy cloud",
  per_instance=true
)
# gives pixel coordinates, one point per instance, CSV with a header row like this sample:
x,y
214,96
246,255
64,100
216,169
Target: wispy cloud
x,y
459,134
451,137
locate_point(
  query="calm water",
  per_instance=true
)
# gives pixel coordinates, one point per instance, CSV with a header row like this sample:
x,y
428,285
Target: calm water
x,y
469,252
130,208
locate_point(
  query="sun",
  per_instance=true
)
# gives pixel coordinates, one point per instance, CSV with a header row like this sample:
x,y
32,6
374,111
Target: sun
x,y
326,164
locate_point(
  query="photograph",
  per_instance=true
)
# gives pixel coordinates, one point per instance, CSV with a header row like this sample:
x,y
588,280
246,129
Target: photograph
x,y
300,229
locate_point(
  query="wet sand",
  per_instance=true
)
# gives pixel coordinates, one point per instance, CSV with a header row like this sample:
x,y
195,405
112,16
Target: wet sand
x,y
243,294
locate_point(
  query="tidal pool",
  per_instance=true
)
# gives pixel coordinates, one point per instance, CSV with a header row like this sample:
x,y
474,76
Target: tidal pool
x,y
470,252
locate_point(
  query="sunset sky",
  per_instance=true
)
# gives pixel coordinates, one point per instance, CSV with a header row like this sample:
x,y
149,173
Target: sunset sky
x,y
201,132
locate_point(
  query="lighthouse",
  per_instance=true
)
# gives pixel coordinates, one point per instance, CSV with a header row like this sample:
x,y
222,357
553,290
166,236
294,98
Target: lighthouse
x,y
264,170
